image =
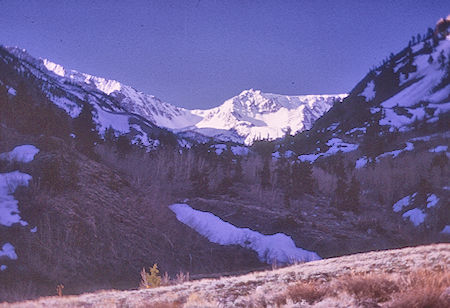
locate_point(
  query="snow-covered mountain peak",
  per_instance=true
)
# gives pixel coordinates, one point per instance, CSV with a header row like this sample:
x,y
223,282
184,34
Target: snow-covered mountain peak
x,y
106,86
250,115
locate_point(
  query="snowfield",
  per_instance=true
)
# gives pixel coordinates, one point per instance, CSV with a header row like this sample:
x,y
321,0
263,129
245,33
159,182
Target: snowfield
x,y
270,248
416,215
9,211
22,153
336,145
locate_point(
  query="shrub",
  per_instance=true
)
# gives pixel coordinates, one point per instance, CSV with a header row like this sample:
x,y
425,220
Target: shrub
x,y
310,292
370,286
424,289
152,279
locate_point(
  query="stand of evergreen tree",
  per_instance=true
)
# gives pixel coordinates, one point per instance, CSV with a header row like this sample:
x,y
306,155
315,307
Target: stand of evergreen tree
x,y
302,181
85,130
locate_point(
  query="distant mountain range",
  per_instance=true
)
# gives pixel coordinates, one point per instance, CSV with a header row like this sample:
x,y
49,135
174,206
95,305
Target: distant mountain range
x,y
248,116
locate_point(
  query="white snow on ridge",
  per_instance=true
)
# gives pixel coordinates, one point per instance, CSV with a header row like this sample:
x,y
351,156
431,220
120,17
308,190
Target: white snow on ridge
x,y
277,247
22,153
427,77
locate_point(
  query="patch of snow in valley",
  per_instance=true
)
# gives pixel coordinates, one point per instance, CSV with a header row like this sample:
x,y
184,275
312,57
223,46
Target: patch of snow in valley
x,y
432,200
446,230
22,153
8,251
439,148
12,91
361,162
356,129
277,247
404,202
416,216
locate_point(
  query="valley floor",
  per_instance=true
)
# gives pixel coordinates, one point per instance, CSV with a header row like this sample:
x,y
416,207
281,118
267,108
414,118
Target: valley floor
x,y
391,278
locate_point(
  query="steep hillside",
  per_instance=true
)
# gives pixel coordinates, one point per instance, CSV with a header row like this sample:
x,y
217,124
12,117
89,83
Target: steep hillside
x,y
69,219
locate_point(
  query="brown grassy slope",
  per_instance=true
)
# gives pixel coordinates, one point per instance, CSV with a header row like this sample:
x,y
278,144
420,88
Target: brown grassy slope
x,y
390,270
99,230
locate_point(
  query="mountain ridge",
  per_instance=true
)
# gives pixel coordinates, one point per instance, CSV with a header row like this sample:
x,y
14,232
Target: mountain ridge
x,y
243,118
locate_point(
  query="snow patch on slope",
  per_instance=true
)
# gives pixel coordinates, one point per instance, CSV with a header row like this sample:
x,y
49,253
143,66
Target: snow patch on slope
x,y
416,216
23,153
277,247
336,145
9,211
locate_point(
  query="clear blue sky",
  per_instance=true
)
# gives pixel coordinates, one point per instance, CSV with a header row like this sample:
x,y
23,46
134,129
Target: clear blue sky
x,y
196,54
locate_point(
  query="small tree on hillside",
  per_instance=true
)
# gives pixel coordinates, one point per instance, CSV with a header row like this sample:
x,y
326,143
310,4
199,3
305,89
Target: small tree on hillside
x,y
238,171
387,82
123,146
339,198
265,174
5,107
85,130
352,202
302,181
22,110
199,182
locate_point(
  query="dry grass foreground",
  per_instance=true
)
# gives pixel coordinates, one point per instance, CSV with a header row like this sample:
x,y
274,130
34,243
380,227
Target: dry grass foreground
x,y
408,277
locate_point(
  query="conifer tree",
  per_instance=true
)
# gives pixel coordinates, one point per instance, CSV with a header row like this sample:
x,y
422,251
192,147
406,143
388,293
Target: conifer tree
x,y
265,174
123,146
23,110
5,107
339,198
238,171
302,181
352,196
387,82
441,60
282,174
199,182
85,130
